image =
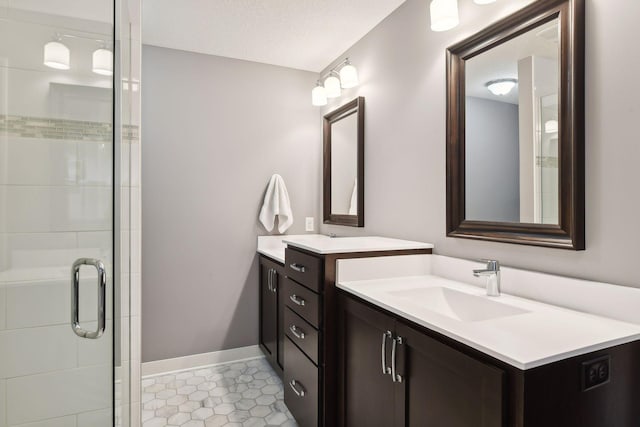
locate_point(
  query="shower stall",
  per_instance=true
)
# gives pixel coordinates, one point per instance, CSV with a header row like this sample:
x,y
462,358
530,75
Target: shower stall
x,y
69,213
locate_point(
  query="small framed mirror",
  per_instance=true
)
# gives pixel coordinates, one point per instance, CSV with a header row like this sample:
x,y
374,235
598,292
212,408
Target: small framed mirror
x,y
343,166
515,129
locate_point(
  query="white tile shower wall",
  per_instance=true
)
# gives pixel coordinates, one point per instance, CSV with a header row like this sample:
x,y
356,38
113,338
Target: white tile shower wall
x,y
53,422
38,304
57,394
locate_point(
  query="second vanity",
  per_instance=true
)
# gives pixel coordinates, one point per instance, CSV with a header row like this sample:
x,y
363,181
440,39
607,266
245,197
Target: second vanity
x,y
298,313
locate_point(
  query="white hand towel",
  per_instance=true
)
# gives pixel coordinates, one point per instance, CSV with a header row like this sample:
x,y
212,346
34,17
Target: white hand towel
x,y
276,203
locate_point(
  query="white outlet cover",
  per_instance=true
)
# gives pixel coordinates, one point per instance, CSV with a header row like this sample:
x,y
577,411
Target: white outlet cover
x,y
308,224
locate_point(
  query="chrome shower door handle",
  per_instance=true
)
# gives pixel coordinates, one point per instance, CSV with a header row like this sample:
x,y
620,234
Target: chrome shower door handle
x,y
75,298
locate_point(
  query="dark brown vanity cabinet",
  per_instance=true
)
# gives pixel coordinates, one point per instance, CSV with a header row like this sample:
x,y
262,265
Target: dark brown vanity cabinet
x,y
310,326
393,375
271,333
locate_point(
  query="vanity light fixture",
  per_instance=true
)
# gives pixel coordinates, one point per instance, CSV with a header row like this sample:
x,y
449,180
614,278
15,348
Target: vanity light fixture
x,y
103,62
342,76
348,75
56,55
501,87
319,95
444,14
551,126
332,86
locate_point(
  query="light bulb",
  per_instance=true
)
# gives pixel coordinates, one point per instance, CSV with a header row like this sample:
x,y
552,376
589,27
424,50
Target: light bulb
x,y
56,55
444,14
332,86
551,126
349,76
501,87
319,96
484,1
103,62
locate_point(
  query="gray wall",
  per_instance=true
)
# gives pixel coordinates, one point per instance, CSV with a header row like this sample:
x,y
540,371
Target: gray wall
x,y
492,178
402,69
215,129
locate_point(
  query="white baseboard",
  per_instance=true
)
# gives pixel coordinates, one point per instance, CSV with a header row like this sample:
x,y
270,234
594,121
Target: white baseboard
x,y
197,360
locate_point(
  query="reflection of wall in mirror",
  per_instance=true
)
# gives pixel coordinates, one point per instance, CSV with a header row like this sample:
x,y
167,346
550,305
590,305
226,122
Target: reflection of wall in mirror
x,y
491,150
344,164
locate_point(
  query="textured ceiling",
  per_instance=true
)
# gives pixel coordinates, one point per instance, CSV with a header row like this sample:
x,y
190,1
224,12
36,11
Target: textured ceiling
x,y
302,34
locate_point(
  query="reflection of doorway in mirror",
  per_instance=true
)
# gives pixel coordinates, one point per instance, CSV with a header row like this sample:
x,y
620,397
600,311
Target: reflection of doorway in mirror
x,y
538,119
546,168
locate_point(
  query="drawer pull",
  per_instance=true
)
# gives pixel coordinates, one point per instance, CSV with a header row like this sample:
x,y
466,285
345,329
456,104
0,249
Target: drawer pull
x,y
297,332
296,299
298,267
294,386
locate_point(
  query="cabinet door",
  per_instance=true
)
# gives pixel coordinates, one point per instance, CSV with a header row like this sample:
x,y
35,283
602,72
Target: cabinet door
x,y
366,394
444,387
278,277
268,311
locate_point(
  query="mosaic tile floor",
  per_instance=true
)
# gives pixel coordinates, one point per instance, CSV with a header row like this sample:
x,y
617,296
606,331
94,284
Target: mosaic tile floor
x,y
239,394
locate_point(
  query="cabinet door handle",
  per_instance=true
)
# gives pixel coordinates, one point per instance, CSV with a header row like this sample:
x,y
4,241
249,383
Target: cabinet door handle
x,y
274,275
394,376
385,369
294,386
297,300
298,267
299,333
269,285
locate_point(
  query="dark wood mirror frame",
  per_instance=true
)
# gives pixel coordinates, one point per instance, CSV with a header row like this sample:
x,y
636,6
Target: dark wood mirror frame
x,y
354,107
569,234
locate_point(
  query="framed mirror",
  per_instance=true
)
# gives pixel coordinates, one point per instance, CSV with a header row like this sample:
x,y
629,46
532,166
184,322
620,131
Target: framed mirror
x,y
343,166
515,129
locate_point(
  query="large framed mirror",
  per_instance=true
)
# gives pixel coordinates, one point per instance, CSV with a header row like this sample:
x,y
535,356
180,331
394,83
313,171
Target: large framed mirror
x,y
343,166
515,129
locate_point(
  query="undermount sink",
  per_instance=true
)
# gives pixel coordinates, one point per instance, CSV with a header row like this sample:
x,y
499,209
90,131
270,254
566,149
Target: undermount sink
x,y
457,305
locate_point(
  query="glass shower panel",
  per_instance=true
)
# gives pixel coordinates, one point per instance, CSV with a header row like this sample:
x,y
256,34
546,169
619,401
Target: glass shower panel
x,y
56,206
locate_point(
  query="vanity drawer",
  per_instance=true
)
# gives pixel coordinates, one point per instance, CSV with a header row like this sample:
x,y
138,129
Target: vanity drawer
x,y
302,334
304,269
301,394
304,302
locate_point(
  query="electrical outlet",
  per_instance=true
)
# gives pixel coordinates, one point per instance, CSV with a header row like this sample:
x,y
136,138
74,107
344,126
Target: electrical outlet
x,y
308,223
596,372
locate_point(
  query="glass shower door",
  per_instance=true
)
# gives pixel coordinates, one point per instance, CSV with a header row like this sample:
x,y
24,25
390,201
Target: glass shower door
x,y
56,211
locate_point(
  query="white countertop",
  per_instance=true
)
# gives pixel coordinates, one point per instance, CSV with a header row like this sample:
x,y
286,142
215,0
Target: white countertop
x,y
273,246
322,244
539,335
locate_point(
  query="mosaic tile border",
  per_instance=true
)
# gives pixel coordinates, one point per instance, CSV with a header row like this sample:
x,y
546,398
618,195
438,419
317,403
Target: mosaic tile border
x,y
70,130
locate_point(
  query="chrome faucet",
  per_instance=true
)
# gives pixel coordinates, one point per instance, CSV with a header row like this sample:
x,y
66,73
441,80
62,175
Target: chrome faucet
x,y
492,272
